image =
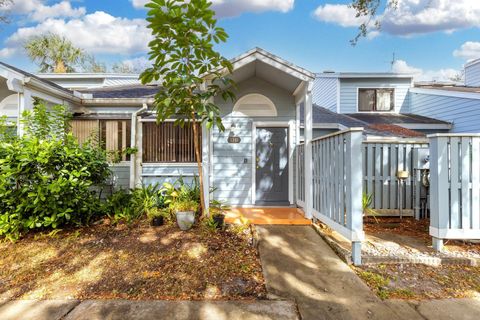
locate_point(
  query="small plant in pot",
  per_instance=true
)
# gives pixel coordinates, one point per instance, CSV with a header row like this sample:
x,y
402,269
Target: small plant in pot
x,y
157,216
217,212
185,212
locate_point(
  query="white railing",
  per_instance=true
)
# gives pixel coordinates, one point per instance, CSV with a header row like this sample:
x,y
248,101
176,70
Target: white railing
x,y
337,185
382,161
454,187
301,175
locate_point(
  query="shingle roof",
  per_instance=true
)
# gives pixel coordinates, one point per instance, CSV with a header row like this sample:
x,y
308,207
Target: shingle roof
x,y
27,74
124,92
394,118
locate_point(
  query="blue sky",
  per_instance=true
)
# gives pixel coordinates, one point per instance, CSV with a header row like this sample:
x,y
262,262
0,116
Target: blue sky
x,y
432,38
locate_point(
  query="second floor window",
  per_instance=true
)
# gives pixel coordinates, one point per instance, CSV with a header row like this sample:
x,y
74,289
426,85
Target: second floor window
x,y
376,99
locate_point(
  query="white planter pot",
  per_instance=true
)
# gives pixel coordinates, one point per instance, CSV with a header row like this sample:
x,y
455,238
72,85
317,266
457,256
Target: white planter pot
x,y
185,219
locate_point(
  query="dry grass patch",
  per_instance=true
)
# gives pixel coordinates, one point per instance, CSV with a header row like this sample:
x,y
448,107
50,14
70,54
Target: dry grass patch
x,y
136,262
417,281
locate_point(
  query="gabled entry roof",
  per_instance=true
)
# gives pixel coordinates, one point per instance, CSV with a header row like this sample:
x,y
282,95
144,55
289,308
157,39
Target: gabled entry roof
x,y
269,67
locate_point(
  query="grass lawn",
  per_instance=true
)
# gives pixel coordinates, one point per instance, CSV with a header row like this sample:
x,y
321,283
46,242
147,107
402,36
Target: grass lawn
x,y
416,281
132,262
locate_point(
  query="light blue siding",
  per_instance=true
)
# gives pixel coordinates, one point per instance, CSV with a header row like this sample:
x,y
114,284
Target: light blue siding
x,y
472,75
325,92
158,174
121,176
463,112
231,165
349,91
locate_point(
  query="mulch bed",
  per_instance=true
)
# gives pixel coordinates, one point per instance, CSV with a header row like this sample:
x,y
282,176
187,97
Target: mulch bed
x,y
135,262
416,281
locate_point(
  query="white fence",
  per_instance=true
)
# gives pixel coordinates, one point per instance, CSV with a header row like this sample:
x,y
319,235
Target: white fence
x,y
454,187
301,175
381,162
337,185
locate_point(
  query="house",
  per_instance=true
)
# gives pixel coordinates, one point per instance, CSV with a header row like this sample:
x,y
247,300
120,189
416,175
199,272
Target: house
x,y
254,162
293,138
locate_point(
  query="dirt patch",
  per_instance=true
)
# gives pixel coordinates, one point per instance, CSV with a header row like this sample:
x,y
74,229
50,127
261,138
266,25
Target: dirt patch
x,y
416,281
407,236
137,262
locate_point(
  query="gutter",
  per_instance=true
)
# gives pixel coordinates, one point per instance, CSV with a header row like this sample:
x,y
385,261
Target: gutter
x,y
117,101
133,144
49,89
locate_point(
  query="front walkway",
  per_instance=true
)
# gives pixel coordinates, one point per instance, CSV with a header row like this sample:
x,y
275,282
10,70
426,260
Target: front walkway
x,y
267,216
300,266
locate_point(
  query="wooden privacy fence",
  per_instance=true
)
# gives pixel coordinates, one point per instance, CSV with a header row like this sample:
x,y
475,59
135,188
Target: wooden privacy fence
x,y
381,162
337,185
454,187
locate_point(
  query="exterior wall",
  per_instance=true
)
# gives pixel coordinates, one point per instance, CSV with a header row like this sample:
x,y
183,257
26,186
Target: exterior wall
x,y
463,112
160,173
121,174
472,74
325,92
231,164
349,92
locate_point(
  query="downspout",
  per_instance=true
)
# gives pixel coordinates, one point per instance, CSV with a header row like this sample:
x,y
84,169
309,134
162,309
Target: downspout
x,y
133,144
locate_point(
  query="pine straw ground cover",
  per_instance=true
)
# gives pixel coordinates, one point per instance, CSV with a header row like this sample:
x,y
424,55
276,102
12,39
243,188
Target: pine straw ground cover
x,y
136,262
417,282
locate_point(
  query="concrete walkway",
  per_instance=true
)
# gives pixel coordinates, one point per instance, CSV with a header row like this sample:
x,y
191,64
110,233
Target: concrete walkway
x,y
299,265
147,310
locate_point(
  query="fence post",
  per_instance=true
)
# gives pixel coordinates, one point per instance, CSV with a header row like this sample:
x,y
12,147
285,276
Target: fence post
x,y
308,121
354,187
439,213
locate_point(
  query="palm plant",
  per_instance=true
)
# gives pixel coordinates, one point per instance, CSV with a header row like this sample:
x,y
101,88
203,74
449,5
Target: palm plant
x,y
54,53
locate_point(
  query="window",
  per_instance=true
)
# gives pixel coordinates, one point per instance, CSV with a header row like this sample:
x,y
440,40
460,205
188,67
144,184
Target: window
x,y
168,143
114,135
254,105
376,99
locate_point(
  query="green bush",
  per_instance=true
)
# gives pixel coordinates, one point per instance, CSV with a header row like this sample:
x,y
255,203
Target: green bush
x,y
47,181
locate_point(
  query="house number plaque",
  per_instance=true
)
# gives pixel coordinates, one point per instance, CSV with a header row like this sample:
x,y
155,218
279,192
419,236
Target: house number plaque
x,y
234,140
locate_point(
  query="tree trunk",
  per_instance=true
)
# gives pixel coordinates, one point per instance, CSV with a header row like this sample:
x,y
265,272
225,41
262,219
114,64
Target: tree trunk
x,y
198,155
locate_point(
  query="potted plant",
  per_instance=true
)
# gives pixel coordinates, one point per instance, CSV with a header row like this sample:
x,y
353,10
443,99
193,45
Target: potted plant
x,y
217,211
185,210
156,216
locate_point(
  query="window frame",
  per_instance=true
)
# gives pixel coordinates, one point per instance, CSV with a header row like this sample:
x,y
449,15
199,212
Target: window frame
x,y
167,163
101,127
393,108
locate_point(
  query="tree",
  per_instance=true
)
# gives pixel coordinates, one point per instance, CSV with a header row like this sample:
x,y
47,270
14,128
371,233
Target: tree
x,y
4,4
133,66
90,64
54,53
191,72
368,9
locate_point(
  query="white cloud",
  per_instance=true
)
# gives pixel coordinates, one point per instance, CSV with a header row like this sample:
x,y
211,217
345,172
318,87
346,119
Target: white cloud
x,y
340,14
98,32
37,10
231,8
442,75
7,52
469,50
411,16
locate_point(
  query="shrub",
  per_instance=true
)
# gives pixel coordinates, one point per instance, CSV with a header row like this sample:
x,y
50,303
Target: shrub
x,y
184,205
47,181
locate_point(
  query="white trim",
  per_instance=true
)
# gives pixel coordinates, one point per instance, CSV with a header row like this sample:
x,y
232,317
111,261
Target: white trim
x,y
471,234
453,135
260,99
327,126
471,63
395,140
290,125
338,95
378,88
168,175
366,75
447,93
170,164
337,133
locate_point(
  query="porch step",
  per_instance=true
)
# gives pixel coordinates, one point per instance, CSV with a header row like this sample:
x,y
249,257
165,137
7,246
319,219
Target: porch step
x,y
266,216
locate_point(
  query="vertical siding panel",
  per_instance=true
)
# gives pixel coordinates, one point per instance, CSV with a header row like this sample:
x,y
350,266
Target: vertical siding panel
x,y
378,177
393,175
465,167
386,177
408,182
475,170
454,184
